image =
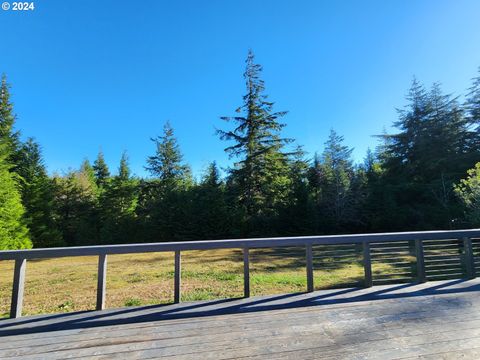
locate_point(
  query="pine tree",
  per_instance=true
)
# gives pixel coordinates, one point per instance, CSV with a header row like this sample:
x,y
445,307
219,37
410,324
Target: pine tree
x,y
297,217
431,152
38,197
165,206
336,183
118,205
167,164
13,232
100,168
472,104
260,177
210,210
77,206
9,137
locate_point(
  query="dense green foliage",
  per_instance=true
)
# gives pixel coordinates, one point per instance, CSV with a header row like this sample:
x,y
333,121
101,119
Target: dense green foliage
x,y
13,232
424,175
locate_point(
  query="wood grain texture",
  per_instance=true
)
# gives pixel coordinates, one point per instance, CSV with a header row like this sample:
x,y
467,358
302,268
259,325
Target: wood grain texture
x,y
177,277
18,288
434,320
235,244
101,281
246,272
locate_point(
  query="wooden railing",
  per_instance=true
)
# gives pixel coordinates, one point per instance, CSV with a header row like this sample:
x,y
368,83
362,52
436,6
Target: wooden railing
x,y
458,240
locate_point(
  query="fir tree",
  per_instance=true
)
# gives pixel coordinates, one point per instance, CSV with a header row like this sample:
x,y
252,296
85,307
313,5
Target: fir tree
x,y
336,183
472,104
77,206
261,174
13,232
164,205
430,153
167,164
38,197
297,217
8,135
118,205
210,214
100,168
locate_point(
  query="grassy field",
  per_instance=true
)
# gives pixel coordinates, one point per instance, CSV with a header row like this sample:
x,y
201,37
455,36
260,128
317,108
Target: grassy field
x,y
69,284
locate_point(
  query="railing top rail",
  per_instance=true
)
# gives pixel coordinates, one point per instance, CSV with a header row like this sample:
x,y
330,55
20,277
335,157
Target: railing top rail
x,y
234,243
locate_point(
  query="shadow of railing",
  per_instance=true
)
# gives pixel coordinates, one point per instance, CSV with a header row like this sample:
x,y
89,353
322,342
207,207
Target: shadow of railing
x,y
112,317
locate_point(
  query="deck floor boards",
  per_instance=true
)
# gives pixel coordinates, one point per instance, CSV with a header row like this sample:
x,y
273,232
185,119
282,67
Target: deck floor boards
x,y
435,320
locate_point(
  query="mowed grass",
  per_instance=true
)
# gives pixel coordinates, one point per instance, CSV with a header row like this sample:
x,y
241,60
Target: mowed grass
x,y
69,284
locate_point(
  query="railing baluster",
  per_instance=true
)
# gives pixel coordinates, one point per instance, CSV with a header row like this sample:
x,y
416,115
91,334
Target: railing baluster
x,y
367,264
246,272
309,261
424,242
101,281
178,276
420,258
468,257
18,288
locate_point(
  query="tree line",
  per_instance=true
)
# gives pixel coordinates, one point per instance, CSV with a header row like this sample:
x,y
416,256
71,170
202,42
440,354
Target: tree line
x,y
423,176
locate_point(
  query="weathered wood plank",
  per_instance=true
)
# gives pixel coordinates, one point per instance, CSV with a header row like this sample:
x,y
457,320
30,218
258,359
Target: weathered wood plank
x,y
246,272
304,328
178,277
367,264
335,299
18,288
309,267
468,258
420,258
372,328
235,244
101,281
375,329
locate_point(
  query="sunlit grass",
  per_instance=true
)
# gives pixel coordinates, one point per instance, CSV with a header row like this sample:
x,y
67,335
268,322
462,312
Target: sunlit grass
x,y
69,284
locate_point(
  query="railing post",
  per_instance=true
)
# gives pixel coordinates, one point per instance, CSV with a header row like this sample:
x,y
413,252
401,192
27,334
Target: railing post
x,y
101,281
468,257
18,288
246,272
420,261
178,276
309,261
367,264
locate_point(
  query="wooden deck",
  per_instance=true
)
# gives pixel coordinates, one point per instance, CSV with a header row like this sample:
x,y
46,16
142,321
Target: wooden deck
x,y
435,320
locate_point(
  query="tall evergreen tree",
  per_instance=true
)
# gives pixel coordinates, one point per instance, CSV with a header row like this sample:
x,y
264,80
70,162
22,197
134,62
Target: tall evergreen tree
x,y
100,168
13,232
431,152
77,206
118,204
210,213
472,104
166,164
38,197
8,135
297,217
336,184
164,205
260,177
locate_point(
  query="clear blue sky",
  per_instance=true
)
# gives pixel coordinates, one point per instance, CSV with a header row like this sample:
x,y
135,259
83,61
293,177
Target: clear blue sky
x,y
107,74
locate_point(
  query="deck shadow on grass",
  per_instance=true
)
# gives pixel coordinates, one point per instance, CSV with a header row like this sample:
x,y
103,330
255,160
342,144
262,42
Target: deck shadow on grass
x,y
52,323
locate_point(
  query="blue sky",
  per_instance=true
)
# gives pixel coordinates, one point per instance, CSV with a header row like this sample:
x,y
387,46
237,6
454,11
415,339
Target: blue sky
x,y
107,74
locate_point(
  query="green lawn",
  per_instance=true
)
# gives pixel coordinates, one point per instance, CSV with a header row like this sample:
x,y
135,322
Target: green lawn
x,y
69,284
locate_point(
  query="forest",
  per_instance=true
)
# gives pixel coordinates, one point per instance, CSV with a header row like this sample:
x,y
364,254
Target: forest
x,y
425,175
